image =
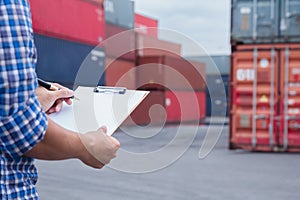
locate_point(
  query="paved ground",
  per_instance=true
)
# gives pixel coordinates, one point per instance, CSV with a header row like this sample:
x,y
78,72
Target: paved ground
x,y
224,175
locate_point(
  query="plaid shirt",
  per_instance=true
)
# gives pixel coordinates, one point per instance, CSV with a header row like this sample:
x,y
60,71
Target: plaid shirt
x,y
22,122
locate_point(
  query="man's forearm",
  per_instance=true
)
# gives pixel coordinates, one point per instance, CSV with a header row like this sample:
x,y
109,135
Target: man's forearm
x,y
94,148
58,144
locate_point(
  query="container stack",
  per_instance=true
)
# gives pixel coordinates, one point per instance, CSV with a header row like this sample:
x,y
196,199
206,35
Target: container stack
x,y
179,82
265,81
217,74
98,37
64,40
120,43
161,70
146,25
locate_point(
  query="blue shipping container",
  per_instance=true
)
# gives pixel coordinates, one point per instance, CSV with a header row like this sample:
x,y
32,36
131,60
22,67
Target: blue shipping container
x,y
214,64
214,84
59,61
290,20
119,12
216,106
216,95
255,21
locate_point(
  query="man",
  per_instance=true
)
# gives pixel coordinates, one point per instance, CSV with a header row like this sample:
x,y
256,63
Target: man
x,y
25,130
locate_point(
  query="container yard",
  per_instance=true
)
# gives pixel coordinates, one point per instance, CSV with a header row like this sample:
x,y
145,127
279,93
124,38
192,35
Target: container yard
x,y
222,117
264,76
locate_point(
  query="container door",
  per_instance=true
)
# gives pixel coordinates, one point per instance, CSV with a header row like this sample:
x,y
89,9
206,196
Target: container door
x,y
255,20
254,99
290,20
290,99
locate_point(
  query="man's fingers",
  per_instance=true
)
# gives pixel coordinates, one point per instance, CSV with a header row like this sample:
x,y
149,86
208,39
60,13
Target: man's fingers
x,y
115,142
58,106
104,129
68,101
63,94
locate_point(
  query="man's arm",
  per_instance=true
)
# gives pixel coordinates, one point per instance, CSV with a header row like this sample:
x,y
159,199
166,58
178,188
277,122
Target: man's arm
x,y
23,124
93,148
59,144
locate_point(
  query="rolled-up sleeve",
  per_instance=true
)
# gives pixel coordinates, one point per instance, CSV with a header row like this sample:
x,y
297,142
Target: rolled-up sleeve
x,y
22,121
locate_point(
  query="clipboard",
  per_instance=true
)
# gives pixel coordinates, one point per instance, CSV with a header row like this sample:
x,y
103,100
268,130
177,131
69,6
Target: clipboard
x,y
98,106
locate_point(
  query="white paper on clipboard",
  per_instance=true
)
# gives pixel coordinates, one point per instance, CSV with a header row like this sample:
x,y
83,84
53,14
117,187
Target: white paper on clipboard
x,y
94,110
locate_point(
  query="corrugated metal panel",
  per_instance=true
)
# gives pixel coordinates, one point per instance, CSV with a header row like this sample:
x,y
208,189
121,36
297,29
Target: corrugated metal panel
x,y
150,111
185,106
255,99
290,100
217,85
120,13
290,20
99,2
150,73
120,73
170,72
265,123
119,43
75,20
255,21
146,25
214,64
216,106
217,95
150,46
59,61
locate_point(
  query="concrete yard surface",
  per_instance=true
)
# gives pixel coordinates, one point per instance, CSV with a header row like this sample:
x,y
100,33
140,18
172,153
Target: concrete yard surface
x,y
222,175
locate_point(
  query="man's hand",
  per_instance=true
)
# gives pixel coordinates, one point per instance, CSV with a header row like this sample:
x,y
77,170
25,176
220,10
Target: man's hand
x,y
100,148
51,101
95,148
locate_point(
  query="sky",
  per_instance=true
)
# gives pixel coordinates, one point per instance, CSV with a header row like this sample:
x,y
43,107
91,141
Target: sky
x,y
206,22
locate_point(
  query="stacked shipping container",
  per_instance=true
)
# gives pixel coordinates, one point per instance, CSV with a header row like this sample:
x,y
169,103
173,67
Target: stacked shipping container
x,y
182,83
217,76
146,25
120,43
265,109
265,21
67,40
64,40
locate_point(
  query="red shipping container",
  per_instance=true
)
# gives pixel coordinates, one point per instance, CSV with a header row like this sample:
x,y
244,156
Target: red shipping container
x,y
289,137
150,111
76,20
146,25
120,73
99,2
174,73
185,106
254,99
150,46
265,110
119,42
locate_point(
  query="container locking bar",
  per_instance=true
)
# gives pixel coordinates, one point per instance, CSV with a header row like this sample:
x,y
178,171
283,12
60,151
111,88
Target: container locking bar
x,y
285,112
272,98
254,100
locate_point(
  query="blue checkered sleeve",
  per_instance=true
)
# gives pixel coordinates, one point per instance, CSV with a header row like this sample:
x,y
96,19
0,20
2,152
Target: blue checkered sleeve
x,y
22,122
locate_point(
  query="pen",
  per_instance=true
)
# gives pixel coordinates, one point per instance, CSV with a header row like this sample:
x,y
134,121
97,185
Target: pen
x,y
49,86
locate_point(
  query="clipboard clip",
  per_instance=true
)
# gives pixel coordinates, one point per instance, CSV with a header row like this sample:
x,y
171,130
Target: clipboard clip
x,y
114,90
